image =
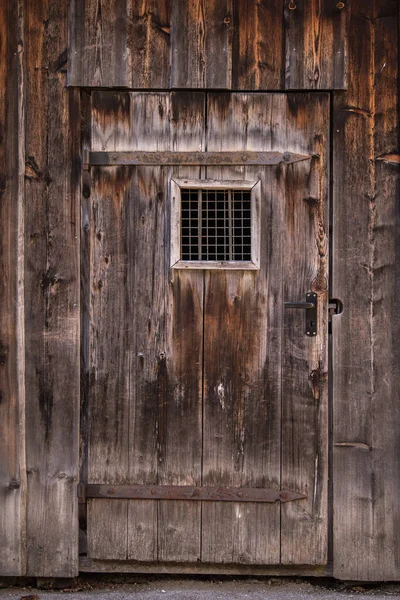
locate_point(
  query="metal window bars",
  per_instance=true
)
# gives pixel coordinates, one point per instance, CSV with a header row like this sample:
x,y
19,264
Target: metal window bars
x,y
215,225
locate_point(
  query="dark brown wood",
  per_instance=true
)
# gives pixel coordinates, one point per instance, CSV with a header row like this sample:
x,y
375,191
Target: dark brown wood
x,y
193,158
52,307
187,492
304,359
12,468
316,44
257,57
148,43
366,420
201,44
119,43
86,121
97,51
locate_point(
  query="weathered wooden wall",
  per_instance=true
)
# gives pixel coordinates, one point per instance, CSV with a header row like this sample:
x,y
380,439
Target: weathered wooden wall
x,y
52,180
215,44
12,488
366,276
40,261
40,292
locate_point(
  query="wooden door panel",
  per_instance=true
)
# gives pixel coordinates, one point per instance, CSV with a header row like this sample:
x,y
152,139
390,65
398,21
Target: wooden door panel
x,y
145,376
200,377
242,324
304,359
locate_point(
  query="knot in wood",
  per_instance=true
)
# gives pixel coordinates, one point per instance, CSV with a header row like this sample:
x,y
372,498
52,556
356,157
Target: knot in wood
x,y
227,20
292,5
340,5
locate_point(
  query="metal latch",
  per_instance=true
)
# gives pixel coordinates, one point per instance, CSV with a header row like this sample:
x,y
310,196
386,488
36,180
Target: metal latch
x,y
311,308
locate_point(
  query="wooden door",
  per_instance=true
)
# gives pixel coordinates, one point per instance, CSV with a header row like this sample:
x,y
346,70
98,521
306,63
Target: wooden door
x,y
205,402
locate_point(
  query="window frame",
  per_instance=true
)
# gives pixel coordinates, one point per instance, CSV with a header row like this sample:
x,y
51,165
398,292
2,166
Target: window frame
x,y
254,186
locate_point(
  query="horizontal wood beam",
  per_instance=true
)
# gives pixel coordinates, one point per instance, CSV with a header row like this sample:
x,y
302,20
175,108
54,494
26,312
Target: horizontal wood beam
x,y
90,565
103,159
186,492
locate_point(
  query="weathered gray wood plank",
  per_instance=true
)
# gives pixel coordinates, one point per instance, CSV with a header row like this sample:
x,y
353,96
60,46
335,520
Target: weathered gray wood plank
x,y
98,39
181,447
365,350
86,142
201,44
257,57
304,535
52,310
12,468
242,338
316,44
110,338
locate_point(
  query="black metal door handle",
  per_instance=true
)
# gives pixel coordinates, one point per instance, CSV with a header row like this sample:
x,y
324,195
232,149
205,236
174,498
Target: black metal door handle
x,y
310,306
299,305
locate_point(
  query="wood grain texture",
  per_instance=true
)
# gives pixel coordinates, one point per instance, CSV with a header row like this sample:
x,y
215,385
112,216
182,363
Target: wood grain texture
x,y
148,43
242,324
97,53
143,371
304,360
201,44
180,448
366,263
257,57
52,192
316,45
211,44
12,471
119,43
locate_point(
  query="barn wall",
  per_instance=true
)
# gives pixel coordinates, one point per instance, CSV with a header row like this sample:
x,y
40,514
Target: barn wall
x,y
12,488
217,44
52,311
366,275
39,322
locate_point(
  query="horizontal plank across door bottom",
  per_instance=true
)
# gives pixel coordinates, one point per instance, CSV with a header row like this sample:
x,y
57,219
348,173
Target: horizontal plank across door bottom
x,y
186,492
87,565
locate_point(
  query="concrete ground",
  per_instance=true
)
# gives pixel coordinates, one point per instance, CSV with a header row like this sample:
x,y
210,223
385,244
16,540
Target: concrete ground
x,y
212,589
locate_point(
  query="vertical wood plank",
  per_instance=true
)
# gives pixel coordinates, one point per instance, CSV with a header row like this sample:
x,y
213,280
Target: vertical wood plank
x,y
86,144
242,338
154,336
119,43
12,476
257,57
51,294
316,44
123,226
97,51
147,290
148,43
366,263
180,447
201,44
304,535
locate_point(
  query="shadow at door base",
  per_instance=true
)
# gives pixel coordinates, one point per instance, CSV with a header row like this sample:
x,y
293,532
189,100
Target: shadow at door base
x,y
87,565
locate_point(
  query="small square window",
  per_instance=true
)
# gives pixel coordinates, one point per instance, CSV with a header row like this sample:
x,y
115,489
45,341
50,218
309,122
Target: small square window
x,y
215,225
